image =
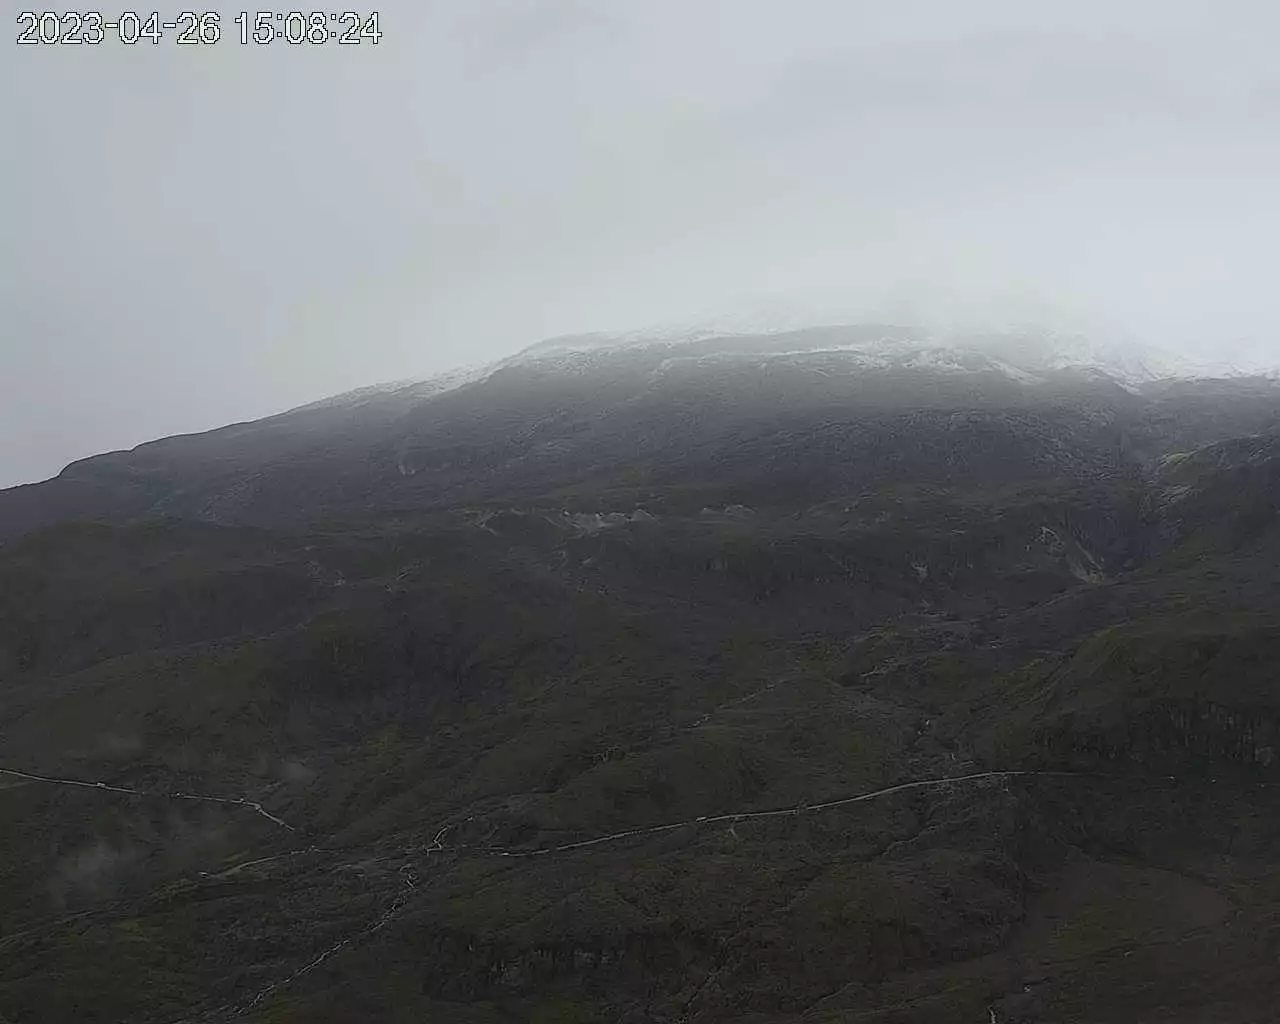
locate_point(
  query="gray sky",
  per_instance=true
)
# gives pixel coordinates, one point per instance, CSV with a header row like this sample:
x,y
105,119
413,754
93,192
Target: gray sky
x,y
203,235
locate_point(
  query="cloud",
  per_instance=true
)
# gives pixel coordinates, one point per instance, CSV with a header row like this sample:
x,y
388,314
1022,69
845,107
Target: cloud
x,y
199,236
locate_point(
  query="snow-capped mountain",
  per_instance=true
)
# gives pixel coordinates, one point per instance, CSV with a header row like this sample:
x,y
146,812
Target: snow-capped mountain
x,y
1027,355
781,333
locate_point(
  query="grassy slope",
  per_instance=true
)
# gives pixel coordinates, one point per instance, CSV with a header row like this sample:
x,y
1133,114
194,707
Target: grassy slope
x,y
529,685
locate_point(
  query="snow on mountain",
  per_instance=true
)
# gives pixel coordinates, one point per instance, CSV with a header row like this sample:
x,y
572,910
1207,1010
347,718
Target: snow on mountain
x,y
1028,356
421,387
770,333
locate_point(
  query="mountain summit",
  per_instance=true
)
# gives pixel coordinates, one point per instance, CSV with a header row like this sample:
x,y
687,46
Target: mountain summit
x,y
881,346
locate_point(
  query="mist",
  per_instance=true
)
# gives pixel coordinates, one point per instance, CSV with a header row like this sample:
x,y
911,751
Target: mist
x,y
199,235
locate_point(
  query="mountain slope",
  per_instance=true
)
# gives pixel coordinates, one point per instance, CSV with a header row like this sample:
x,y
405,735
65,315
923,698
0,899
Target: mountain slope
x,y
620,417
720,679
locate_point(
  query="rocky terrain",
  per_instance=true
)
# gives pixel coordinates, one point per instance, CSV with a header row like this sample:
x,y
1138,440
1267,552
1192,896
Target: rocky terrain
x,y
824,675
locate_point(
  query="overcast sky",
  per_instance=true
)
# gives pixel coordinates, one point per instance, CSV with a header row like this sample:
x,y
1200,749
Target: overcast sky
x,y
197,236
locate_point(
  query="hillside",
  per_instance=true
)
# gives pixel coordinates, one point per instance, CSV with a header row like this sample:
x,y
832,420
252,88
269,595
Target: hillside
x,y
821,675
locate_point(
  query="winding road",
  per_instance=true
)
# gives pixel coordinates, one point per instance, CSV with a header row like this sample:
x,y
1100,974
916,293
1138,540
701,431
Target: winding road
x,y
409,881
238,801
737,816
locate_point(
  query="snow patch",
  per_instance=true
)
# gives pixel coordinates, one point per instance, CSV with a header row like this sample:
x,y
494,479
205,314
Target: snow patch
x,y
1025,356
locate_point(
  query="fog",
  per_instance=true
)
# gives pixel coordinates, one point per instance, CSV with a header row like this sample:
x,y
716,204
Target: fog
x,y
204,234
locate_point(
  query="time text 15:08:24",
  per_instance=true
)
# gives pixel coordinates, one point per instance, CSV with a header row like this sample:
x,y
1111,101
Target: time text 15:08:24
x,y
197,28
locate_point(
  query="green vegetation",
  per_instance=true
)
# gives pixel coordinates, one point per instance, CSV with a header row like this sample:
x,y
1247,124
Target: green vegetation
x,y
441,682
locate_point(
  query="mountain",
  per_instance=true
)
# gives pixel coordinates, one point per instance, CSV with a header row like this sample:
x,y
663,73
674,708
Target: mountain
x,y
1026,350
359,452
835,673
